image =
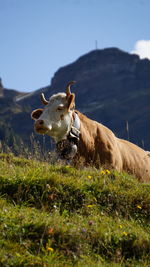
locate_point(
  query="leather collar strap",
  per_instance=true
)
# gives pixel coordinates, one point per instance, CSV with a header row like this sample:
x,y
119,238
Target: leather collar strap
x,y
75,128
67,148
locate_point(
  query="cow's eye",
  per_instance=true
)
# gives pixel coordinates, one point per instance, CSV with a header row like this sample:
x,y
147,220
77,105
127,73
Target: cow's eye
x,y
60,108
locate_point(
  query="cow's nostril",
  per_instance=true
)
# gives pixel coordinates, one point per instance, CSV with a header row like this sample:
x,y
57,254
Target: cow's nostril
x,y
40,122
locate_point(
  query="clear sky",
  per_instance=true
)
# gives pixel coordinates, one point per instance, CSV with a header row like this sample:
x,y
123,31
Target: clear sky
x,y
39,36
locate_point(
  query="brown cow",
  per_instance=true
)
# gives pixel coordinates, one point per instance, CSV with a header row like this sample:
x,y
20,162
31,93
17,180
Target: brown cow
x,y
92,141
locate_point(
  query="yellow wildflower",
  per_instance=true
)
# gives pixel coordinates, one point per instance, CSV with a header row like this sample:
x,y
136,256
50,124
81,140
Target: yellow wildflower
x,y
125,233
139,207
105,172
90,206
89,177
50,249
120,226
102,172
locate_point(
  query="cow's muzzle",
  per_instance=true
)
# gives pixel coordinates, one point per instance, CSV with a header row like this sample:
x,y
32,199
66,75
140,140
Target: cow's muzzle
x,y
40,127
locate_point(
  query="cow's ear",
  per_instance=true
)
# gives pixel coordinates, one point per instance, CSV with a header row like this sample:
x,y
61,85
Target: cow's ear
x,y
71,101
36,113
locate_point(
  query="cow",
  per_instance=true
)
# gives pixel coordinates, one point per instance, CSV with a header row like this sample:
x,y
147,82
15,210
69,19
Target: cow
x,y
87,139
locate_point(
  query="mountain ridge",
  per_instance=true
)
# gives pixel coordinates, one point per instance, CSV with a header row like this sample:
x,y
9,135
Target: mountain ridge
x,y
112,87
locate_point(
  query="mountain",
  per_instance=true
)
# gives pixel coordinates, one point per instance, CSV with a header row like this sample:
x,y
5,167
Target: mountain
x,y
113,87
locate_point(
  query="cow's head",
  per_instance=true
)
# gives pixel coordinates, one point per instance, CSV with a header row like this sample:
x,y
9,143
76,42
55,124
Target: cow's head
x,y
56,118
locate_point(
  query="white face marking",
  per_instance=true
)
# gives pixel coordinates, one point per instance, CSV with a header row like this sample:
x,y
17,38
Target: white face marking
x,y
56,117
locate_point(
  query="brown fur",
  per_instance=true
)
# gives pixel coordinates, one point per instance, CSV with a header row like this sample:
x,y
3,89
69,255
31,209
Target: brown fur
x,y
98,145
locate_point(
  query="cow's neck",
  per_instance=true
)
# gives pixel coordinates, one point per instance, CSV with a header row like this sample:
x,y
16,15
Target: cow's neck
x,y
87,145
67,146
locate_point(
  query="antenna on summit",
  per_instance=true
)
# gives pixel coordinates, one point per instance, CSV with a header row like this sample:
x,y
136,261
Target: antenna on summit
x,y
96,45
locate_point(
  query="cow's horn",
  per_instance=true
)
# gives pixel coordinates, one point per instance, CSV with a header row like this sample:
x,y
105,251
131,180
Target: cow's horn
x,y
43,99
68,87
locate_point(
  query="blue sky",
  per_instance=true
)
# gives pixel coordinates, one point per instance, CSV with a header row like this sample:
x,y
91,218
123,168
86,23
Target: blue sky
x,y
39,36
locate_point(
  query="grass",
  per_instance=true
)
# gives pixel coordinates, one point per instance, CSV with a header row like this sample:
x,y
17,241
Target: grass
x,y
53,215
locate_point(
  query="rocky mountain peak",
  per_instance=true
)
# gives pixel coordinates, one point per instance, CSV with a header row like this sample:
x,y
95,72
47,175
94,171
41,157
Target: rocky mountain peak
x,y
1,88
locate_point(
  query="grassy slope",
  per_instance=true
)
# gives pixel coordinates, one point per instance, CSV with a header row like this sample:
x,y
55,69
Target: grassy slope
x,y
59,216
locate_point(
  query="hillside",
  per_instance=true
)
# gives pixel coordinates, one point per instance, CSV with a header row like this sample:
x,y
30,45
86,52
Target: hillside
x,y
113,87
60,216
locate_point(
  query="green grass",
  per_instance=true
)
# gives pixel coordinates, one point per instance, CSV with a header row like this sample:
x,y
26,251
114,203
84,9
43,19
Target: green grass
x,y
53,215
